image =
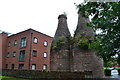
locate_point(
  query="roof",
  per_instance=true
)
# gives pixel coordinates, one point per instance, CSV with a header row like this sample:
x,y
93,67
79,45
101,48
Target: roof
x,y
5,32
32,30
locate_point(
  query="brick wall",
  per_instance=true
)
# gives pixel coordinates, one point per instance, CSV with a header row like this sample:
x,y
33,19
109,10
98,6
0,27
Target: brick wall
x,y
3,48
38,60
87,60
51,74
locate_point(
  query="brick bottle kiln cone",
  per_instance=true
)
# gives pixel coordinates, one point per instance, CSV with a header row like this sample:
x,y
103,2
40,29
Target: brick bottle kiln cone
x,y
59,52
86,59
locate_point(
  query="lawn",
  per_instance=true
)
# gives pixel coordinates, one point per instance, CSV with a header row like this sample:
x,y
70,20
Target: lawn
x,y
10,78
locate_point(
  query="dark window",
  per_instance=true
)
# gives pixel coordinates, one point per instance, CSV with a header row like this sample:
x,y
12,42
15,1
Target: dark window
x,y
34,53
9,44
22,55
45,43
44,67
12,66
35,40
45,55
15,42
8,55
21,66
33,66
14,54
23,42
6,66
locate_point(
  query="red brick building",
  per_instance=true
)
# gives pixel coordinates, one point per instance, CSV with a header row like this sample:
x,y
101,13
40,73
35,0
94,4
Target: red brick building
x,y
29,50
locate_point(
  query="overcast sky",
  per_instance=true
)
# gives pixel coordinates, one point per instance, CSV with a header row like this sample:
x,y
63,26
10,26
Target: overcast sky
x,y
41,15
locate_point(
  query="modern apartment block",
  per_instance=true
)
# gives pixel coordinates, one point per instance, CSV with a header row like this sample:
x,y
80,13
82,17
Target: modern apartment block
x,y
28,50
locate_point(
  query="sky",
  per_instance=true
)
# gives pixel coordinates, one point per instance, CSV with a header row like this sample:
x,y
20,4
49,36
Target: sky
x,y
40,15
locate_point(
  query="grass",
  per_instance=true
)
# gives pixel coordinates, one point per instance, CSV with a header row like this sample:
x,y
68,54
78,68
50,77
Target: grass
x,y
10,78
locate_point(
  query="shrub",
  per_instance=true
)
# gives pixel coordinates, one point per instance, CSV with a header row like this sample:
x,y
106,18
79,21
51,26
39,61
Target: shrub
x,y
83,44
89,44
107,71
58,44
95,44
118,68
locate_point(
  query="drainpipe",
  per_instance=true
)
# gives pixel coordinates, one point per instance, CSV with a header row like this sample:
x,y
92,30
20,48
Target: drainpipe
x,y
30,50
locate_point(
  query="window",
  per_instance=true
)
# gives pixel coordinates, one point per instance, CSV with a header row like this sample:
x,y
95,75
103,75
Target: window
x,y
35,40
14,54
34,53
12,66
23,42
45,55
44,67
21,66
9,44
22,55
15,42
6,66
8,55
33,66
45,43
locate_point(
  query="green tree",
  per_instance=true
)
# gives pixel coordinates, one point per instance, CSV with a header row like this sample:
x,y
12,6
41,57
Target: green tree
x,y
105,16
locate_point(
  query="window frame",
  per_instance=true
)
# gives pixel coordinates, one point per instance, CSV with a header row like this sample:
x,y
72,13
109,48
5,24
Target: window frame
x,y
34,67
20,67
13,66
8,55
22,55
33,53
15,42
14,53
44,67
9,44
35,38
6,66
45,43
23,42
45,56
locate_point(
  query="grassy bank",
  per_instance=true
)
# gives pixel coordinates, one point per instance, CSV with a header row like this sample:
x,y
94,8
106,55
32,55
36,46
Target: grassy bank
x,y
10,78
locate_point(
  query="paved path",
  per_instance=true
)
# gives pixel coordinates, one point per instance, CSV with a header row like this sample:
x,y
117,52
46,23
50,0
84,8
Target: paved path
x,y
114,74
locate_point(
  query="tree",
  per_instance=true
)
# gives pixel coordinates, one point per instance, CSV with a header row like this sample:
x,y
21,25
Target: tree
x,y
105,16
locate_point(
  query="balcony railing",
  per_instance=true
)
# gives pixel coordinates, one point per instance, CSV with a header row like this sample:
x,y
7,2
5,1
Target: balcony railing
x,y
22,45
21,59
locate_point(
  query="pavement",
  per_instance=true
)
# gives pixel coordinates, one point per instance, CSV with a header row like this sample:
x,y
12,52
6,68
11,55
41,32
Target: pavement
x,y
114,74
